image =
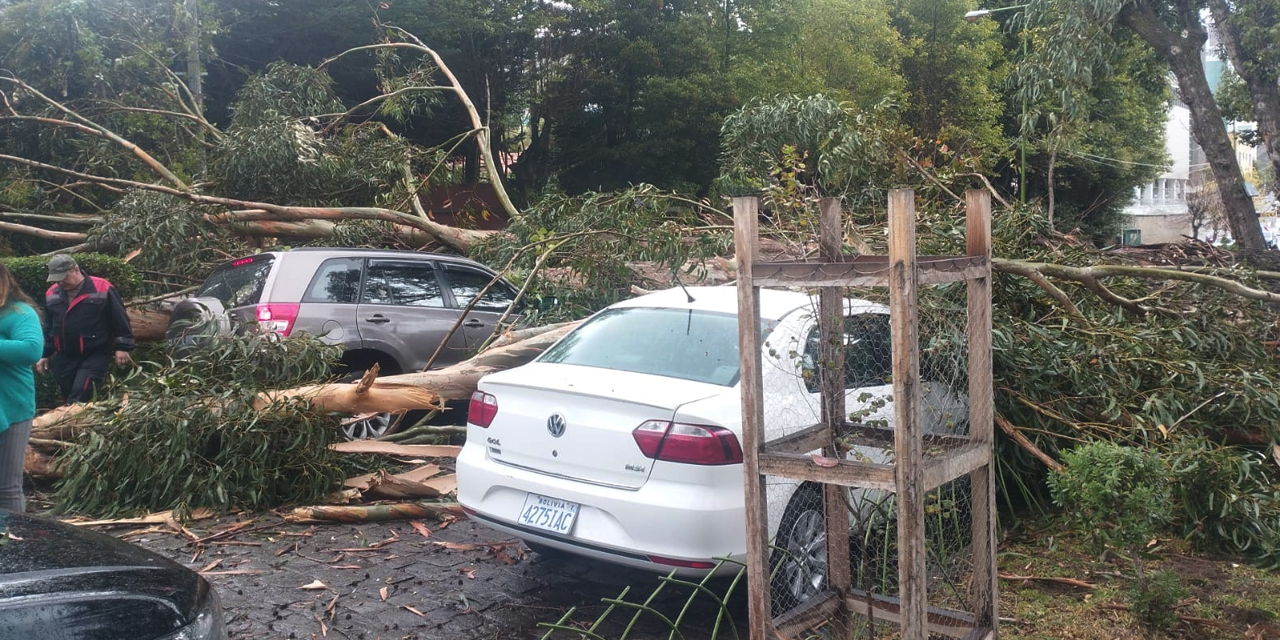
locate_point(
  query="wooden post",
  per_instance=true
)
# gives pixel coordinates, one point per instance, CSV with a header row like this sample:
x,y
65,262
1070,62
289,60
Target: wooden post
x,y
908,437
981,480
759,599
831,354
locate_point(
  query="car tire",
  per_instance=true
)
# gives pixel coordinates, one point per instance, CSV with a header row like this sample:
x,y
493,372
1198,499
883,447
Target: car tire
x,y
194,322
798,562
371,428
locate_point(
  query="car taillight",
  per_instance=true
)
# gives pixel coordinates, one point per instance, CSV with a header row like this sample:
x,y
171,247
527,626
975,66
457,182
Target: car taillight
x,y
687,443
688,564
277,317
482,410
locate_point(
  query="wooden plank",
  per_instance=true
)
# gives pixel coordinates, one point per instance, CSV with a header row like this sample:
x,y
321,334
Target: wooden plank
x,y
803,441
847,473
986,599
908,444
831,378
811,438
955,463
873,606
814,280
928,276
981,633
865,281
808,615
745,212
865,271
393,449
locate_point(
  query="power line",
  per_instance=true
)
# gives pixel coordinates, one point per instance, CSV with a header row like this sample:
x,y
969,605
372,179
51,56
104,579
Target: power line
x,y
1115,161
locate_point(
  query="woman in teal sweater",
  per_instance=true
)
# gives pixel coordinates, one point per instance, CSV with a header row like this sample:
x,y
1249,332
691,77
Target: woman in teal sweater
x,y
21,344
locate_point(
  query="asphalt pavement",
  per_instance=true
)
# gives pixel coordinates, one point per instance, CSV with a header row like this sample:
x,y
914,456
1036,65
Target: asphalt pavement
x,y
417,580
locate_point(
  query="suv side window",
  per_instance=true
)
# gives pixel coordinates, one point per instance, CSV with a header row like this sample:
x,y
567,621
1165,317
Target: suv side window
x,y
336,281
868,352
465,283
406,284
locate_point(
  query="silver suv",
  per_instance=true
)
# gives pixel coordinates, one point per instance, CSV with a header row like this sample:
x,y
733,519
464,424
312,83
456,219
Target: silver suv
x,y
393,308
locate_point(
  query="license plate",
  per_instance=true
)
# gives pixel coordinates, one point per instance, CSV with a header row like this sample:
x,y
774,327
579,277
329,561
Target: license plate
x,y
548,514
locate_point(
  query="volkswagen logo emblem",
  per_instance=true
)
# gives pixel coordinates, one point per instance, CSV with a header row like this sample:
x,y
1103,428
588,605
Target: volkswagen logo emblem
x,y
556,425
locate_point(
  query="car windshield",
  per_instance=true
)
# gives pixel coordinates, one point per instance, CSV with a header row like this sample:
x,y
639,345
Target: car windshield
x,y
701,346
238,283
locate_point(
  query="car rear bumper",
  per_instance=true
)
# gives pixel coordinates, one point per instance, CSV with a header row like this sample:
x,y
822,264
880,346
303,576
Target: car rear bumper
x,y
656,527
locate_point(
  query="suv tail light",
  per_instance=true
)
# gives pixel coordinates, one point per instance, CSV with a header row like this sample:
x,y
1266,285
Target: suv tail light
x,y
277,317
482,410
687,443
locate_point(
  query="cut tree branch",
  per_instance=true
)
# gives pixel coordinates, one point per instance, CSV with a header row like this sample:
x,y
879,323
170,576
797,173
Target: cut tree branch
x,y
482,130
1026,444
265,214
56,218
1089,276
100,131
59,236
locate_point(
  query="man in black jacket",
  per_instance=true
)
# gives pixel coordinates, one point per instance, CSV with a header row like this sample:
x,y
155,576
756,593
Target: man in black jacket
x,y
88,328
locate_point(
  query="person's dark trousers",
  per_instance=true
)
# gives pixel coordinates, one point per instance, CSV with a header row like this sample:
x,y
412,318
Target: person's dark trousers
x,y
79,376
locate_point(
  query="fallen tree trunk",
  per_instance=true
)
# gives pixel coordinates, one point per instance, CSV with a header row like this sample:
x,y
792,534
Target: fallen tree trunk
x,y
422,390
366,396
40,464
458,382
377,512
147,323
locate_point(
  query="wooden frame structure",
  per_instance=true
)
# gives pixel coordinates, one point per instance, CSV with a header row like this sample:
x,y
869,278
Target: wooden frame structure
x,y
912,474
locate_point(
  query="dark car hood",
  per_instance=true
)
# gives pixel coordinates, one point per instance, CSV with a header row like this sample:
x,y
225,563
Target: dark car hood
x,y
58,581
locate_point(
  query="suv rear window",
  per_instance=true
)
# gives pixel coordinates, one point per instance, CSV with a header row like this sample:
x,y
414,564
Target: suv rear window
x,y
239,282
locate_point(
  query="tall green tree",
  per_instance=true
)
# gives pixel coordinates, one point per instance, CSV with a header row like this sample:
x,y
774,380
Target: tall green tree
x,y
953,80
1250,34
108,61
1078,41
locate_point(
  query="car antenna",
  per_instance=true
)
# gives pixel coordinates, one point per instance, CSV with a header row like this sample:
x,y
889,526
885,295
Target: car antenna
x,y
676,277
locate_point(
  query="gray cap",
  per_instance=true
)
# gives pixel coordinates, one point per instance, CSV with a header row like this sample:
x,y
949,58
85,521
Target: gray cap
x,y
59,265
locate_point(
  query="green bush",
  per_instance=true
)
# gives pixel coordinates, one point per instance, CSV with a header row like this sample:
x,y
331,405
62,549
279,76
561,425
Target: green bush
x,y
32,272
1155,604
1229,497
190,435
1112,494
1119,496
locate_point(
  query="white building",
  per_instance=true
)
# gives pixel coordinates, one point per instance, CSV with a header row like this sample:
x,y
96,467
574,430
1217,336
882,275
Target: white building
x,y
1158,211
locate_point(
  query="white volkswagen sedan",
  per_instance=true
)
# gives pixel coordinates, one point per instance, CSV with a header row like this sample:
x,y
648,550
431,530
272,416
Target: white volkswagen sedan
x,y
622,441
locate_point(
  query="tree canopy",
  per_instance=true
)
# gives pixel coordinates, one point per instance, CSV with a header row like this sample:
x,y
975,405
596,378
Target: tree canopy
x,y
622,125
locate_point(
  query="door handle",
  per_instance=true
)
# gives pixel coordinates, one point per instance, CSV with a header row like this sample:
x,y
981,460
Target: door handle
x,y
473,324
378,319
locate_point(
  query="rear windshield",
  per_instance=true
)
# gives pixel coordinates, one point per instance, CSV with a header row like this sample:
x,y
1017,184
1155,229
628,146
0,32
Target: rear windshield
x,y
701,346
238,283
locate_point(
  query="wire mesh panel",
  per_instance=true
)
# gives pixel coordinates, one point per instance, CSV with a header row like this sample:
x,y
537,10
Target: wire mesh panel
x,y
838,505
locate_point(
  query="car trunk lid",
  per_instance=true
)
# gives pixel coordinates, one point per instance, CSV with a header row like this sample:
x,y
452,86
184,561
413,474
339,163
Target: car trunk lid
x,y
578,421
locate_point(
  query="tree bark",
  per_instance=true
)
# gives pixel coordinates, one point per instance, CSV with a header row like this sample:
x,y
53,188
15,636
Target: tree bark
x,y
1262,79
1183,55
148,324
377,512
60,236
458,382
423,390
